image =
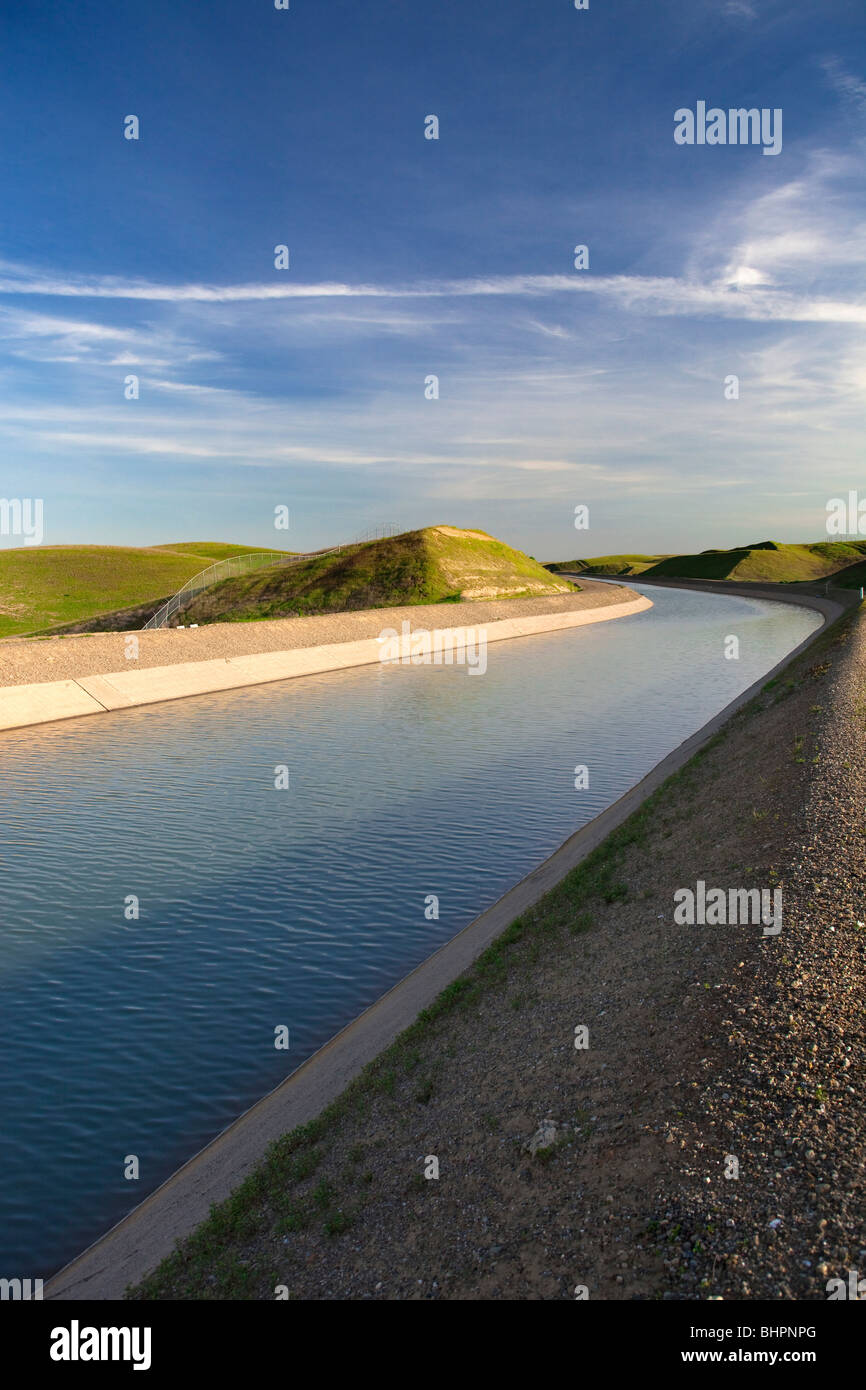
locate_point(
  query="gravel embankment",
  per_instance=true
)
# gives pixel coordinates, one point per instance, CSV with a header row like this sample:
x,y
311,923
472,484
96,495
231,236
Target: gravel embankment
x,y
787,1097
28,660
704,1041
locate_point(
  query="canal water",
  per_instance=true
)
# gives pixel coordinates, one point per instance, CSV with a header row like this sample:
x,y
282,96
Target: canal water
x,y
260,907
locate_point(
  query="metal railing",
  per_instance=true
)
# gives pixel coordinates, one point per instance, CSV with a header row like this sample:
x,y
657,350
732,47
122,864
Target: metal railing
x,y
237,565
376,533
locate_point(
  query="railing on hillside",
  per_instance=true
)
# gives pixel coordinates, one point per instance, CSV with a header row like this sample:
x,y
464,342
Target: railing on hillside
x,y
376,533
237,565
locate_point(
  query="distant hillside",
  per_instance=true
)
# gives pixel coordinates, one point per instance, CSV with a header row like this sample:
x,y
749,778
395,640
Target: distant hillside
x,y
608,564
439,564
759,562
217,550
47,586
768,561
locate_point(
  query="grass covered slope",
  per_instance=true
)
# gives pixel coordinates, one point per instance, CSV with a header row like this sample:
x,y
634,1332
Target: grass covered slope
x,y
45,586
217,550
438,564
609,564
767,562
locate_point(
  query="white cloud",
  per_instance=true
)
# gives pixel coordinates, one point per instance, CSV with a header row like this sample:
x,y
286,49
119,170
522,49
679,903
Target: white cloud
x,y
850,88
52,338
661,296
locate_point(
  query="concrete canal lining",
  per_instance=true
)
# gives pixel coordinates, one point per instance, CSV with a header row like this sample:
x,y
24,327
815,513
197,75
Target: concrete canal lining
x,y
45,702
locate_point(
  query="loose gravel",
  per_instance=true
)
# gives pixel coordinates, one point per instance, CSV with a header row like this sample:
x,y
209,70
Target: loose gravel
x,y
784,1093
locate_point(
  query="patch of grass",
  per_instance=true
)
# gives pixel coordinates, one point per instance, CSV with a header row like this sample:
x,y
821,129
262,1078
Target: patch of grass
x,y
336,1224
552,1151
323,1195
291,1221
304,1165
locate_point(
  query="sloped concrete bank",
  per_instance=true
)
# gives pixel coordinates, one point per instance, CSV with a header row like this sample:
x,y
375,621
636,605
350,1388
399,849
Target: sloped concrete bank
x,y
808,595
142,1240
143,683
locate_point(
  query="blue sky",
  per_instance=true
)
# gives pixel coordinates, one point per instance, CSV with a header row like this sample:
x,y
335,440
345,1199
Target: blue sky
x,y
412,257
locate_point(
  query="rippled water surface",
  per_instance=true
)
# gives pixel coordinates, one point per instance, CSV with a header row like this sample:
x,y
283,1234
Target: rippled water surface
x,y
261,907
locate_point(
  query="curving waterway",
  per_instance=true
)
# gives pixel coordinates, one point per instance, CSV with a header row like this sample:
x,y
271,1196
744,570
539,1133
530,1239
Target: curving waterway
x,y
259,907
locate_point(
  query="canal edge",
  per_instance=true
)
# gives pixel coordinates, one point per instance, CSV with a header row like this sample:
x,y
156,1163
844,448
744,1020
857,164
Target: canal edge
x,y
48,702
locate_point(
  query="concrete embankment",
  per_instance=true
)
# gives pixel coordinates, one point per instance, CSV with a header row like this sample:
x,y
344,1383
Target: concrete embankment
x,y
824,599
633,976
42,680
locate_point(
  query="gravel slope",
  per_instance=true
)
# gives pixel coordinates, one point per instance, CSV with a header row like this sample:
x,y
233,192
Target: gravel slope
x,y
787,1095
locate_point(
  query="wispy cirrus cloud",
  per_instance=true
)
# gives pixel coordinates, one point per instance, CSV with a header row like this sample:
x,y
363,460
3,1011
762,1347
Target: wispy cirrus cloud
x,y
850,88
663,296
47,338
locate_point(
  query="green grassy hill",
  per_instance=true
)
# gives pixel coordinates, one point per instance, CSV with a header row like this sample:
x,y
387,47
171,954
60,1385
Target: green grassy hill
x,y
216,550
46,586
439,564
608,564
768,562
